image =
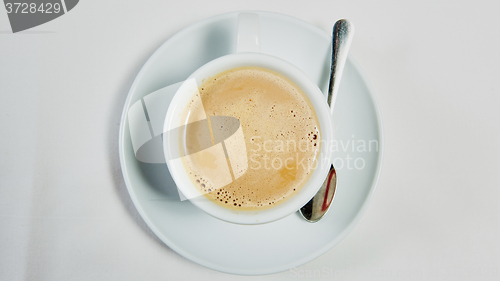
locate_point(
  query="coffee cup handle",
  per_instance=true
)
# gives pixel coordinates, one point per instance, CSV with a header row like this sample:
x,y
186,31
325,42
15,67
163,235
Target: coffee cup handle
x,y
248,33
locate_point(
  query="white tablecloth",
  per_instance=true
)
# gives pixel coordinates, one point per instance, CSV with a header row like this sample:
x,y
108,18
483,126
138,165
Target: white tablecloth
x,y
65,213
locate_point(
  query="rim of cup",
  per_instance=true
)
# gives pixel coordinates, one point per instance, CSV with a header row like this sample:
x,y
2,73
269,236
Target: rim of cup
x,y
171,141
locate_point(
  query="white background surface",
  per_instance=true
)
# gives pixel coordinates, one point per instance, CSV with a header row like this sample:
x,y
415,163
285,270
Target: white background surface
x,y
65,213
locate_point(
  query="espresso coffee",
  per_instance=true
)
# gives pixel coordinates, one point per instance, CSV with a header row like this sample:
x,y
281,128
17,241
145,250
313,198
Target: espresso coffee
x,y
281,136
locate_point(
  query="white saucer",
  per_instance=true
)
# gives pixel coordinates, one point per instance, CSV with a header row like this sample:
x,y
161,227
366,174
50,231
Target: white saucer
x,y
287,243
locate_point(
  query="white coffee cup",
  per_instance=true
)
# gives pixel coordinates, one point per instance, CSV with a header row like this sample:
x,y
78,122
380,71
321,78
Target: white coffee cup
x,y
248,54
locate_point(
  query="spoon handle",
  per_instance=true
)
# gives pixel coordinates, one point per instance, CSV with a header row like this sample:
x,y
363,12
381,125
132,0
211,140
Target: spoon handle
x,y
343,31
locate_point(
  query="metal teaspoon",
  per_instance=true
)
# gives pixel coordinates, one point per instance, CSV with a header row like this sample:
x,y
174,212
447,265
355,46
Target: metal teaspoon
x,y
343,32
